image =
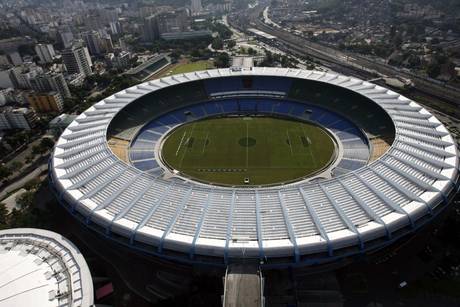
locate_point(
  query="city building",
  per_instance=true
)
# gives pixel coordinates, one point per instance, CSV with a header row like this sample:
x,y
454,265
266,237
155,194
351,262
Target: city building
x,y
15,58
60,122
106,43
20,76
5,80
115,28
186,35
50,82
196,7
122,44
147,10
109,15
243,62
17,118
75,79
119,60
45,52
66,39
150,67
77,60
4,62
165,22
173,21
93,42
12,44
42,268
46,102
7,95
150,29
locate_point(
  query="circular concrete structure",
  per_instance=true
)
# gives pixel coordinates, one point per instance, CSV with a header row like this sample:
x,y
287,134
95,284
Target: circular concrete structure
x,y
397,167
42,268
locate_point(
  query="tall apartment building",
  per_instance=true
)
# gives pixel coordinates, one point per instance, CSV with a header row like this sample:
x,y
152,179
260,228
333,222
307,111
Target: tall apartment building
x,y
173,22
77,60
45,52
20,118
165,22
20,75
120,60
51,82
196,7
115,28
15,58
109,15
93,41
150,29
66,38
46,102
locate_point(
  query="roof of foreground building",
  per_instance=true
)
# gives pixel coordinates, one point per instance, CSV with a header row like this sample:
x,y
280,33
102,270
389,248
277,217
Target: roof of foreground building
x,y
42,268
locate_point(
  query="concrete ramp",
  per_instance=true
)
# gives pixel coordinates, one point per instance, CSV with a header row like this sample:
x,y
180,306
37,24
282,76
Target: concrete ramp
x,y
243,286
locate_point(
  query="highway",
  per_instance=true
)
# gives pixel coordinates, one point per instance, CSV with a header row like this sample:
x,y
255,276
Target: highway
x,y
351,64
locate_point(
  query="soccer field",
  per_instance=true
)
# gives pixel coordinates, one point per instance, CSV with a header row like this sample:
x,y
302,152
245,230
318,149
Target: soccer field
x,y
265,150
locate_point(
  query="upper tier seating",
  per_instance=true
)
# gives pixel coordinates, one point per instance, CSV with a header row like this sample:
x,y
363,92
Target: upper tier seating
x,y
358,108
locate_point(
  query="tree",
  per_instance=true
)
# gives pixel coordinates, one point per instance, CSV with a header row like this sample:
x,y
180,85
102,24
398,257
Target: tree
x,y
217,44
3,216
433,70
222,60
4,172
195,53
175,55
37,150
47,143
231,44
26,200
15,166
32,184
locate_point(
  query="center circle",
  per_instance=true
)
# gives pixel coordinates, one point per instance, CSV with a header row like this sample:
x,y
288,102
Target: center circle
x,y
247,142
237,150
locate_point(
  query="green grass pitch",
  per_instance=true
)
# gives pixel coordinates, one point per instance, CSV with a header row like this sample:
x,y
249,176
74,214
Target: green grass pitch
x,y
266,150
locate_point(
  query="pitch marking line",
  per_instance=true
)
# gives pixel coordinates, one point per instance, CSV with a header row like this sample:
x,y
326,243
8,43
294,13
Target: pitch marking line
x,y
180,144
185,150
309,147
204,143
289,141
247,144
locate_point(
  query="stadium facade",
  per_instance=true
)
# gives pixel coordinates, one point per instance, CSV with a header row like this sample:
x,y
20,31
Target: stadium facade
x,y
396,169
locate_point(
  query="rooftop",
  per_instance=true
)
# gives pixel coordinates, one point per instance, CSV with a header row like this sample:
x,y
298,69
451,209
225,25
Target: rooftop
x,y
41,268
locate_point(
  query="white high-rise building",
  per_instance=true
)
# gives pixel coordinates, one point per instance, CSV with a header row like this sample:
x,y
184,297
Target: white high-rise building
x,y
45,52
77,60
51,82
19,118
196,7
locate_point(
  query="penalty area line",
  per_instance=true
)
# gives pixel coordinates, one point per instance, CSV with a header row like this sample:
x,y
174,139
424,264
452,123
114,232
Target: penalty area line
x,y
180,143
204,143
289,141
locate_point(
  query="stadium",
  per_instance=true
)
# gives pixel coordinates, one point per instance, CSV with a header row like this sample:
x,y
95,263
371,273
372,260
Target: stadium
x,y
282,166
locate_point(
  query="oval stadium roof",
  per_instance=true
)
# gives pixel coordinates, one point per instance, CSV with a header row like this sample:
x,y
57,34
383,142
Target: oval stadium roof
x,y
175,218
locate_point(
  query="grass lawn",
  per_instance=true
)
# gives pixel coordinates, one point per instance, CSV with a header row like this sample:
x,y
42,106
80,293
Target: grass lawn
x,y
264,149
190,67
